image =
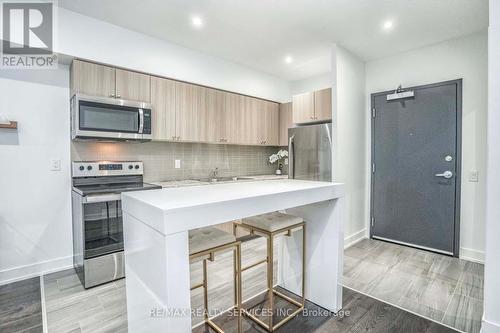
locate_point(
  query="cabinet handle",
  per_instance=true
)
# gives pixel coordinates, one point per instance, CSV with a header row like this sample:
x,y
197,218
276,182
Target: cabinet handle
x,y
118,96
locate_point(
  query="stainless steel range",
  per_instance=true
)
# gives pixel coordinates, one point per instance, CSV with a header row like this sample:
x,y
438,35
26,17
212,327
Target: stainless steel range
x,y
97,217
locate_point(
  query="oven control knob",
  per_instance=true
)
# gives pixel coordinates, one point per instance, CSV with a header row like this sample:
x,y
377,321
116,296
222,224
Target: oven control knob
x,y
130,166
81,168
137,166
89,167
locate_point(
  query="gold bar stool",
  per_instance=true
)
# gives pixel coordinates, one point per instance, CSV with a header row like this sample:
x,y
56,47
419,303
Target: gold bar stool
x,y
203,244
271,225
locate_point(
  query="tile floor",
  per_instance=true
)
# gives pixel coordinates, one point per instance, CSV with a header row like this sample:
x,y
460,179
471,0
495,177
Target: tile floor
x,y
445,289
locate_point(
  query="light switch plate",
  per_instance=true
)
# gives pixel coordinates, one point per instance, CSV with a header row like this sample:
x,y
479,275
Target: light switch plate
x,y
177,164
55,165
473,176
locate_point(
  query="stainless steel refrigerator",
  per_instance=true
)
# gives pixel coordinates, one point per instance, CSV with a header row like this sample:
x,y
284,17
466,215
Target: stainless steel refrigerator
x,y
310,152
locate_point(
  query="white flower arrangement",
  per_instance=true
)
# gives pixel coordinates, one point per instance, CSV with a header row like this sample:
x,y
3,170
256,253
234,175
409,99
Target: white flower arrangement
x,y
278,156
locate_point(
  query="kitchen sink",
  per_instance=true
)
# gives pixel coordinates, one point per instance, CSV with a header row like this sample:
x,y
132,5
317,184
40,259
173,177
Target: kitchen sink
x,y
224,179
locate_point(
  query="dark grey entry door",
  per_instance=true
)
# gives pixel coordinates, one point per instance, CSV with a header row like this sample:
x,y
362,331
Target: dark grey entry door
x,y
416,167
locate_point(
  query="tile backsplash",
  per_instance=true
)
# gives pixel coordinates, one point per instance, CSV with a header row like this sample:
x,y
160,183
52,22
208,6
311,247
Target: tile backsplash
x,y
197,159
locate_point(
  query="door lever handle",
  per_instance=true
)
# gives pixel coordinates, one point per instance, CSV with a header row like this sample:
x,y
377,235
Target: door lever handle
x,y
447,174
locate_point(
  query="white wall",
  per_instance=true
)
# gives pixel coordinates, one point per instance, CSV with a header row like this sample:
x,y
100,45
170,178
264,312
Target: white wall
x,y
491,319
88,38
35,219
349,131
317,82
464,58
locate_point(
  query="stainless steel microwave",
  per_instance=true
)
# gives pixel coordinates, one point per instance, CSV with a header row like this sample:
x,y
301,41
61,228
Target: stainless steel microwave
x,y
109,119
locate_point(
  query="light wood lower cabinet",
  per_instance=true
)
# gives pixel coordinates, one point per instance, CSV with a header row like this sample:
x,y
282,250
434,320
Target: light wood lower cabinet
x,y
286,122
163,108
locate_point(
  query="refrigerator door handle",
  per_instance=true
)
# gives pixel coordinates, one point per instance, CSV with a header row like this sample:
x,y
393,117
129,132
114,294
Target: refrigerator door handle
x,y
291,158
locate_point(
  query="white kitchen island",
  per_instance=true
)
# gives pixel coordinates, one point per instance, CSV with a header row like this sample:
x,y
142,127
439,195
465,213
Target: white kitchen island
x,y
156,225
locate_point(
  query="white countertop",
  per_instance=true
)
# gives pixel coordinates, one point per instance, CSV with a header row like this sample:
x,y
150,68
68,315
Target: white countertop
x,y
176,209
194,182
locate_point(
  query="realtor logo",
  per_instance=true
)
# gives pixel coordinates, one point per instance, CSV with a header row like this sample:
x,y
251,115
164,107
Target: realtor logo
x,y
28,35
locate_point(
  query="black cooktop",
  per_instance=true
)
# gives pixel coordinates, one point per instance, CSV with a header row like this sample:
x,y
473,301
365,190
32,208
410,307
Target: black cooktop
x,y
113,188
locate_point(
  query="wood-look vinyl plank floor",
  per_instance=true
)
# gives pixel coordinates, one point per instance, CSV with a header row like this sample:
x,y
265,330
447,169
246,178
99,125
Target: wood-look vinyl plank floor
x,y
442,288
361,314
20,307
401,276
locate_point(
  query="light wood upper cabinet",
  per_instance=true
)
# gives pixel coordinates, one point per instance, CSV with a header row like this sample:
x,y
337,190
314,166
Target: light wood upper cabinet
x,y
187,119
303,108
233,119
99,80
163,108
183,111
270,127
323,104
286,122
132,86
312,106
211,106
92,79
250,125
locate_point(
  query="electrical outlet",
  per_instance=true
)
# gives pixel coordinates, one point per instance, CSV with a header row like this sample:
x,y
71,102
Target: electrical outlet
x,y
55,165
177,164
473,176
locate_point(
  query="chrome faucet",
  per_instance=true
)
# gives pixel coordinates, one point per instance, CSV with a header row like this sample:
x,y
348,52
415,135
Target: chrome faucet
x,y
215,174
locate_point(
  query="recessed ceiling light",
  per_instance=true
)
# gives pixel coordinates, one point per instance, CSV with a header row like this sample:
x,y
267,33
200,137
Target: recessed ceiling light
x,y
388,25
196,21
288,59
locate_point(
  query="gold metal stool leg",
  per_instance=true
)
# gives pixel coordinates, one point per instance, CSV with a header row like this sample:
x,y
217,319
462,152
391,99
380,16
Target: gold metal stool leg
x,y
237,282
270,326
270,278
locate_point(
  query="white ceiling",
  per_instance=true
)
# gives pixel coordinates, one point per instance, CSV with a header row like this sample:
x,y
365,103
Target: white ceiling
x,y
260,33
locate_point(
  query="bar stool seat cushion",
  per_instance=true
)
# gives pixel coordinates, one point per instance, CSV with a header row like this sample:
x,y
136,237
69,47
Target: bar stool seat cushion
x,y
208,238
272,221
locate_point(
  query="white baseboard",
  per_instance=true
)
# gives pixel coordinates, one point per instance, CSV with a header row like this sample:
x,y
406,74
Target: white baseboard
x,y
471,255
489,327
354,238
36,269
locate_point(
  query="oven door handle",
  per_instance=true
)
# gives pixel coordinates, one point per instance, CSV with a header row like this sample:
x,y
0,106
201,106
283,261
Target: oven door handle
x,y
141,121
102,198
